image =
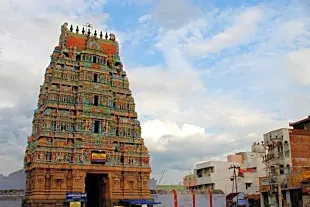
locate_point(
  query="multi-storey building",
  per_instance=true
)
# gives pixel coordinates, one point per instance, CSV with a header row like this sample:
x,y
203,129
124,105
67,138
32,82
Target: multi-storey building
x,y
190,181
217,175
289,148
86,137
278,151
287,154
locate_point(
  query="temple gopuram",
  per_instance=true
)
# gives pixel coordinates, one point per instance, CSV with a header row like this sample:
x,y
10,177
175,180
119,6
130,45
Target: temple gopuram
x,y
86,138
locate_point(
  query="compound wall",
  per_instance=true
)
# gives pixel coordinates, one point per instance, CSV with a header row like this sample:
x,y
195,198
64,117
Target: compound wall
x,y
185,200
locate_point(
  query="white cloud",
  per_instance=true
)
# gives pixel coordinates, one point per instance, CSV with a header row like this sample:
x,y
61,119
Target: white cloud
x,y
298,65
155,129
174,15
176,94
144,18
239,33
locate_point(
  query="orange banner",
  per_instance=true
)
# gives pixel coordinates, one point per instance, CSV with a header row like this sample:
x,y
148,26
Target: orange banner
x,y
98,157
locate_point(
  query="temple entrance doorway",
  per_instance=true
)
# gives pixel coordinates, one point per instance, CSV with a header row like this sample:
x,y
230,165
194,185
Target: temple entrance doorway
x,y
95,188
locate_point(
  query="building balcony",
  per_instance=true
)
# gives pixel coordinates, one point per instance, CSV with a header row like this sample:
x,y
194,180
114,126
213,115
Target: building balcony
x,y
250,165
206,179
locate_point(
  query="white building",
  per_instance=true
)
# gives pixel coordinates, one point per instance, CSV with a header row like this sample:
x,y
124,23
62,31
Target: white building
x,y
287,156
278,144
217,175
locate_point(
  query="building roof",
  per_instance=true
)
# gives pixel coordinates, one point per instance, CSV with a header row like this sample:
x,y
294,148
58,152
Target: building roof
x,y
300,121
253,196
306,180
231,196
88,39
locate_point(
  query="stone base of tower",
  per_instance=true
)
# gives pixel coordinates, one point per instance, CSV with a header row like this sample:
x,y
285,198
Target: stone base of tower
x,y
47,187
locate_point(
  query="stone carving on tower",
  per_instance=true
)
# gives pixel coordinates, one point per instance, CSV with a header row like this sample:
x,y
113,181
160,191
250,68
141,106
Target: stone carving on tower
x,y
85,106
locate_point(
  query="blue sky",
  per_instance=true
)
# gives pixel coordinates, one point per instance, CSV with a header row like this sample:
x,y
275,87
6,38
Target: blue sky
x,y
208,77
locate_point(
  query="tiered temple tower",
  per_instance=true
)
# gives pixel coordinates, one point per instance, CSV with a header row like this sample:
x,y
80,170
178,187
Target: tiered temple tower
x,y
85,124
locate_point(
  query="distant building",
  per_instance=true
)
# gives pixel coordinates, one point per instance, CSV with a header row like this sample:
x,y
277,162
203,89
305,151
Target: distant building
x,y
287,161
190,180
288,149
216,175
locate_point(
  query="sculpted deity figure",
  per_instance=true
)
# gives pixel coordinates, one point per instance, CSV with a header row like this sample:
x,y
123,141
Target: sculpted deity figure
x,y
88,125
116,45
110,60
107,127
103,124
64,34
101,59
64,28
41,156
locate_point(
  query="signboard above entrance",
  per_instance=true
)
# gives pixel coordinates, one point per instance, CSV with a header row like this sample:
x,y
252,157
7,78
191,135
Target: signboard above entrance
x,y
98,157
76,196
294,179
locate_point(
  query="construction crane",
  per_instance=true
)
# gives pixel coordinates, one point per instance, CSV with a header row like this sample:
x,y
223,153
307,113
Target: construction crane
x,y
162,175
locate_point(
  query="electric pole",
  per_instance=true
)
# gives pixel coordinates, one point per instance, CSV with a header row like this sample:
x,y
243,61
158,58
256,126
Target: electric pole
x,y
234,167
279,185
275,173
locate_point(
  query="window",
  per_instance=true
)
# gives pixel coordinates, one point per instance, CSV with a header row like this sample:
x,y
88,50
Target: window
x,y
48,156
286,146
96,100
54,125
96,127
96,78
94,59
280,147
281,169
78,57
248,185
199,173
111,103
122,159
75,89
288,168
70,158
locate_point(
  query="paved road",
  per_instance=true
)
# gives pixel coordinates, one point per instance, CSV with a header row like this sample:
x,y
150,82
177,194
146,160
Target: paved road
x,y
10,203
11,197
